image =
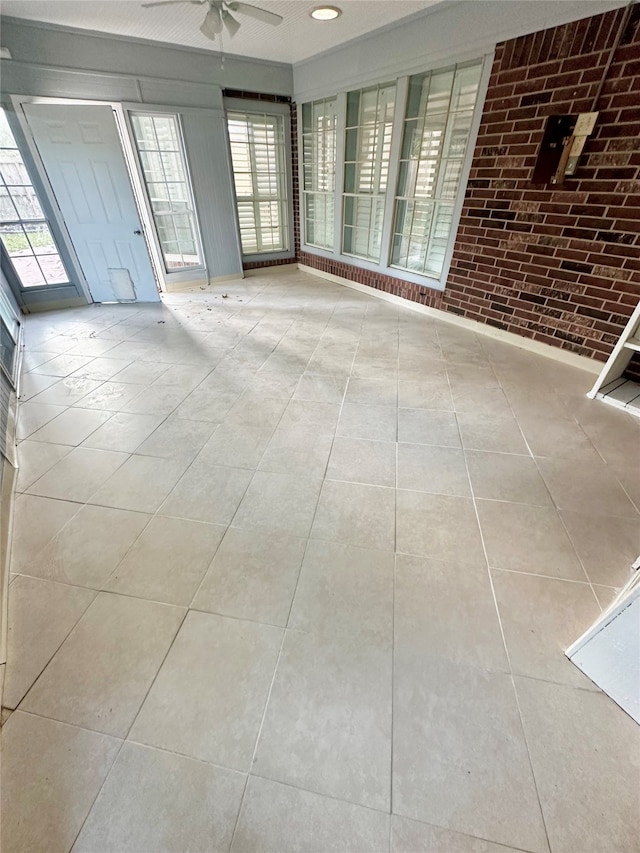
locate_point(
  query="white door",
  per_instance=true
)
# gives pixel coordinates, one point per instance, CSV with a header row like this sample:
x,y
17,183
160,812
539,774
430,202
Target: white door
x,y
81,151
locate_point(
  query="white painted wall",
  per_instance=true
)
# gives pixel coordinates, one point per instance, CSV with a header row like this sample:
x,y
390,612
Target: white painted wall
x,y
447,33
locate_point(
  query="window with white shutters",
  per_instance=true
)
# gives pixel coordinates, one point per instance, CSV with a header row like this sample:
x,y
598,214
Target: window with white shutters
x,y
319,121
366,169
437,125
259,156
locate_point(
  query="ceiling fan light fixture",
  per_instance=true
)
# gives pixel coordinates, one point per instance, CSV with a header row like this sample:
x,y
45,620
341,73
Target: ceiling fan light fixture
x,y
325,13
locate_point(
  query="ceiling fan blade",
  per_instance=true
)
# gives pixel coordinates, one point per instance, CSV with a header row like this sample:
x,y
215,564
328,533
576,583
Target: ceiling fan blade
x,y
255,12
212,24
230,23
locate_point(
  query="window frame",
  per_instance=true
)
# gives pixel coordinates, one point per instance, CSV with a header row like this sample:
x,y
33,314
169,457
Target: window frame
x,y
249,106
314,136
178,273
428,281
23,223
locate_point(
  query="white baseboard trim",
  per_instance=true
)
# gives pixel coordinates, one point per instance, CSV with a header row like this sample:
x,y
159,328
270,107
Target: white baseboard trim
x,y
537,347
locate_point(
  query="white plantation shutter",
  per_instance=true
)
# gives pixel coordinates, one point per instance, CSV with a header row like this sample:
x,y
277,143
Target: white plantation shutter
x,y
258,154
436,131
319,122
366,171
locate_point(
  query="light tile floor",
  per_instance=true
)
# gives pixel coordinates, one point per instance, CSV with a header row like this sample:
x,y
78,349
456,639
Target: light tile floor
x,y
294,570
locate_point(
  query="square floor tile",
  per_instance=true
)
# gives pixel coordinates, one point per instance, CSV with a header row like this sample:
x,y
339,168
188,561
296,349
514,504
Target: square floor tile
x,y
586,487
327,726
319,418
65,392
491,432
208,492
51,774
89,547
253,576
168,560
506,477
357,460
279,503
423,426
343,588
446,610
77,476
527,539
430,392
208,699
438,470
561,439
41,614
356,515
72,426
589,794
236,446
321,388
33,416
35,458
101,368
297,449
460,759
606,546
279,819
123,432
36,520
156,400
410,836
373,392
112,396
540,618
159,801
423,526
365,421
101,673
62,365
177,437
141,484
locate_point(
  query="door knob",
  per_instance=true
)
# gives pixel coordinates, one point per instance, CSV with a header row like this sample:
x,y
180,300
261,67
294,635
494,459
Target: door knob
x,y
137,231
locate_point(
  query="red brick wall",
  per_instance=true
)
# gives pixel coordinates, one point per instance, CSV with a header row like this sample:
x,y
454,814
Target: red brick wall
x,y
560,265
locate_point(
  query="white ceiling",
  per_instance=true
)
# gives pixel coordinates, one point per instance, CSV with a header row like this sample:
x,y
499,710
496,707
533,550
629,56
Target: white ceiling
x,y
297,38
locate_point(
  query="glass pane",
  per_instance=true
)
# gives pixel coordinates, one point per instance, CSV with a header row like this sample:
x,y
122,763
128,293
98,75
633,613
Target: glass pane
x,y
52,268
26,203
40,238
465,88
353,108
15,240
439,92
12,169
8,213
28,271
415,100
306,118
6,135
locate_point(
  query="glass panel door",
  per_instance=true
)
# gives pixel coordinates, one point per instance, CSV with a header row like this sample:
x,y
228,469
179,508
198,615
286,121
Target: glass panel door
x,y
160,149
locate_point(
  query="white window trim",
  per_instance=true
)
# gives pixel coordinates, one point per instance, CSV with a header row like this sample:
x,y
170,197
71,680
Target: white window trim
x,y
125,126
384,268
246,105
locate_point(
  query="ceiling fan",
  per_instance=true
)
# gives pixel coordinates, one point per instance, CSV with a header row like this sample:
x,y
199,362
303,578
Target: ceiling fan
x,y
219,17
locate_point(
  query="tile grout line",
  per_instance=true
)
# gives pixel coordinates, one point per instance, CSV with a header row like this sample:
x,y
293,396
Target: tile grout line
x,y
506,649
282,641
135,717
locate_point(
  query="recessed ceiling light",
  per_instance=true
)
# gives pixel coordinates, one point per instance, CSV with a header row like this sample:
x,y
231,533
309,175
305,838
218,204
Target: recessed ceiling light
x,y
325,13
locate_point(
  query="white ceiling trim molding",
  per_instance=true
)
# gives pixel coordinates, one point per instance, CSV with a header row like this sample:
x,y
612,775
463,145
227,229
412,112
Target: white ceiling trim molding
x,y
448,33
295,39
